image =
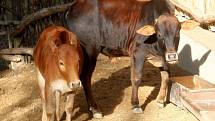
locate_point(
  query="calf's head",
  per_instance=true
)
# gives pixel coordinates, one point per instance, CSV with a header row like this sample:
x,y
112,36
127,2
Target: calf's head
x,y
68,56
167,31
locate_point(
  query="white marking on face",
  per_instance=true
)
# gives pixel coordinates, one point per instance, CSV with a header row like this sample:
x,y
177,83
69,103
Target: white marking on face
x,y
60,85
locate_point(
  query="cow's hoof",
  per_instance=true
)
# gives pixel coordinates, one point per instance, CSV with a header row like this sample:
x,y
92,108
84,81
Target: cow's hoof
x,y
137,110
97,115
160,104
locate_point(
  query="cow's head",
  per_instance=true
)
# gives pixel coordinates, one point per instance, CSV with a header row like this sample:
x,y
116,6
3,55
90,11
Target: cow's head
x,y
167,31
68,56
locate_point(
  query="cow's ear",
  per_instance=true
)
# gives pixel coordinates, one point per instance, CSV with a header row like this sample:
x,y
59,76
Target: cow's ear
x,y
146,30
73,39
189,24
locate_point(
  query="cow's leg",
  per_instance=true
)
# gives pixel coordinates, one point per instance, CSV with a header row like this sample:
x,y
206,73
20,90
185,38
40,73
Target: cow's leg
x,y
69,106
161,98
90,57
57,96
50,104
137,62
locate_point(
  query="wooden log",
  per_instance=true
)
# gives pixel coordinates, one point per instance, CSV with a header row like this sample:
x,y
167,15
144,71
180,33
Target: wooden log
x,y
17,51
40,14
13,58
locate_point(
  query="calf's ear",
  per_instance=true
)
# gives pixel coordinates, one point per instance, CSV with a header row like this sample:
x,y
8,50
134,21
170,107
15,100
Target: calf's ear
x,y
146,30
151,39
54,44
189,24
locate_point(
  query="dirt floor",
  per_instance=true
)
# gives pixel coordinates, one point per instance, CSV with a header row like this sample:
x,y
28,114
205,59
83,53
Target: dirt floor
x,y
20,101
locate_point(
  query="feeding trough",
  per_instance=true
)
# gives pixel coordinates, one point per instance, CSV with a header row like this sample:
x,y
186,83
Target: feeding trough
x,y
194,94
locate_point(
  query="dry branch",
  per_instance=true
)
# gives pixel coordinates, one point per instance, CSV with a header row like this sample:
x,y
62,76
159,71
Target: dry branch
x,y
9,22
3,33
16,51
40,14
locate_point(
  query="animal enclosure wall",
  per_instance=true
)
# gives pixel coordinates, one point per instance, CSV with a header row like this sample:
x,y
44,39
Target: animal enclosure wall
x,y
14,13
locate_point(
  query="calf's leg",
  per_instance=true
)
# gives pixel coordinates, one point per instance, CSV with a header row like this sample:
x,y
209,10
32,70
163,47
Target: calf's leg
x,y
57,96
69,106
41,83
50,104
44,116
161,98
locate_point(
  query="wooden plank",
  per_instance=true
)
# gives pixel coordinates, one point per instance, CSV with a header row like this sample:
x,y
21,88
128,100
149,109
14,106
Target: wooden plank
x,y
202,11
192,93
207,115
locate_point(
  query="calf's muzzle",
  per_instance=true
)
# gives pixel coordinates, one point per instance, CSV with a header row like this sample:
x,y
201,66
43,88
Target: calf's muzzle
x,y
75,85
171,57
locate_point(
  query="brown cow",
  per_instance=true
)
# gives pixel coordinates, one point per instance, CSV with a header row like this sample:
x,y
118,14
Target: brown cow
x,y
58,60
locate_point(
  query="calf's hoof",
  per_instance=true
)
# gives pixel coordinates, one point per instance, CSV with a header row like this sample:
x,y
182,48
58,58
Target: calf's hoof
x,y
96,114
137,109
160,104
160,101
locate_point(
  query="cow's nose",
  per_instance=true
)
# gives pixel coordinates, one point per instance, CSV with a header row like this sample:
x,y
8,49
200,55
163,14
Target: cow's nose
x,y
171,57
75,85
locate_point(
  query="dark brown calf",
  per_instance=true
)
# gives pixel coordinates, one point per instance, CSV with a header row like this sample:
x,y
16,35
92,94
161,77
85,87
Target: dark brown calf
x,y
58,60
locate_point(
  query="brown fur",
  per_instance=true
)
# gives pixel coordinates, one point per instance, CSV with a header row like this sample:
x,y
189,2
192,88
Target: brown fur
x,y
58,60
111,27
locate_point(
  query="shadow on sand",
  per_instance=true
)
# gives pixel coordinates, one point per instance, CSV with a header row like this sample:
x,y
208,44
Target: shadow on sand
x,y
108,93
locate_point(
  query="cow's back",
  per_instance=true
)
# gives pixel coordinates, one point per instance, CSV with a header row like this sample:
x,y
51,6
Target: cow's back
x,y
83,20
112,24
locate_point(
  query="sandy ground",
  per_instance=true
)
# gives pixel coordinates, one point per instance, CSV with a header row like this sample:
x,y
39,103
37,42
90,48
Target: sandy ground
x,y
20,101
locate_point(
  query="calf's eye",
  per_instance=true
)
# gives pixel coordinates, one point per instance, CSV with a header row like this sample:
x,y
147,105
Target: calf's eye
x,y
61,63
159,36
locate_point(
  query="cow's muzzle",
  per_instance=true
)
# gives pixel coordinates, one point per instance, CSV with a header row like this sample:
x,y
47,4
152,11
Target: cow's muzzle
x,y
171,57
75,85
